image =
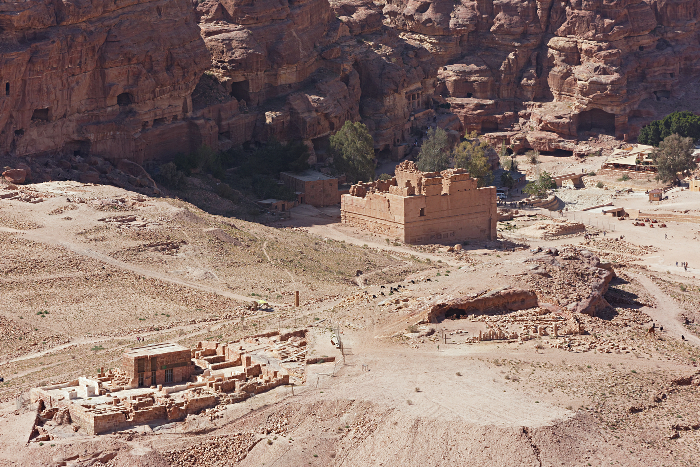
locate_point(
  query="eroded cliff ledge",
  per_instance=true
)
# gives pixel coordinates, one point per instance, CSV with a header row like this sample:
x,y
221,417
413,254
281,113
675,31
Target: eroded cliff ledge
x,y
144,79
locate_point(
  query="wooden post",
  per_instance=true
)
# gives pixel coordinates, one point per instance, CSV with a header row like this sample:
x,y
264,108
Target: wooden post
x,y
296,299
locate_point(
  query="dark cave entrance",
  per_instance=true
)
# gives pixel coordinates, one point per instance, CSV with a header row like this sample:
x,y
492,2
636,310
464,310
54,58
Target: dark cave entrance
x,y
241,90
596,119
454,313
489,127
124,99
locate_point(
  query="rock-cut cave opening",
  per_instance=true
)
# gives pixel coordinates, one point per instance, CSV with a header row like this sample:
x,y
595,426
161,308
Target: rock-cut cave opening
x,y
596,119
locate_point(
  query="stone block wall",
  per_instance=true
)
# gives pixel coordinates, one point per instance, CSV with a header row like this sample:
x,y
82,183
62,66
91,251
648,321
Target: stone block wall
x,y
419,207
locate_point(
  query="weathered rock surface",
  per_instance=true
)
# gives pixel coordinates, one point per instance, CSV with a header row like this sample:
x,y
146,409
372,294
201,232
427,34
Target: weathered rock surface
x,y
498,301
126,79
102,77
575,280
16,176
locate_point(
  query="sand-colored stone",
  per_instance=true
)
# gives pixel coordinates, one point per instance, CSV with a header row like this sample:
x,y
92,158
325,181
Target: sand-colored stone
x,y
422,207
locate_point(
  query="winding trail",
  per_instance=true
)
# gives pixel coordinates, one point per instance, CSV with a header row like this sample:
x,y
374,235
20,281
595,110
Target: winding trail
x,y
665,313
50,238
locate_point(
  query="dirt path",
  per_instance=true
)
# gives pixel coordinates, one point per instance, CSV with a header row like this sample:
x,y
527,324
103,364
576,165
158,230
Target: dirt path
x,y
50,238
264,250
666,311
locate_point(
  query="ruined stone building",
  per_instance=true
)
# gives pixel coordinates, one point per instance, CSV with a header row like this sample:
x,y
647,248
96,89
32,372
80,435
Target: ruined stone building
x,y
313,187
166,382
423,207
157,364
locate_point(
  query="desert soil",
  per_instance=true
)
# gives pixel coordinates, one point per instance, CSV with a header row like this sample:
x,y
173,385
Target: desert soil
x,y
91,268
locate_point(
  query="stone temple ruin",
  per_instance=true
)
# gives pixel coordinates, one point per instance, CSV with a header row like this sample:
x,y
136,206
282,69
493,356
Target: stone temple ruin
x,y
165,382
423,207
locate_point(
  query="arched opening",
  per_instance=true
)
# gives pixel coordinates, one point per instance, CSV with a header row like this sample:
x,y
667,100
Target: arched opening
x,y
7,89
596,120
241,90
124,99
469,95
641,48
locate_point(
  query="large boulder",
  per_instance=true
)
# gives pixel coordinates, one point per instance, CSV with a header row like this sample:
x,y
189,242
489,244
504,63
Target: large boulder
x,y
15,176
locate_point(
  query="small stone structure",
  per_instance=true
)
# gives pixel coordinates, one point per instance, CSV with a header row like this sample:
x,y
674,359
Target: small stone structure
x,y
213,373
423,207
314,188
157,364
694,184
574,180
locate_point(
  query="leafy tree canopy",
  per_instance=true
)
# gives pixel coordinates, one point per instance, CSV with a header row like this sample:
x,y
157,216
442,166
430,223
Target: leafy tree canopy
x,y
685,124
674,156
352,148
434,155
473,156
540,186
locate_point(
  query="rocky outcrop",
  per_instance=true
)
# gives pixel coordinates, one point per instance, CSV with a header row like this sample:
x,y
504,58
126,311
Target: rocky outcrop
x,y
568,69
573,280
112,78
494,302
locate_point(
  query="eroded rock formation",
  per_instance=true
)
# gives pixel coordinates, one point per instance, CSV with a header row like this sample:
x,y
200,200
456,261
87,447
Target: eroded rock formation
x,y
144,79
112,78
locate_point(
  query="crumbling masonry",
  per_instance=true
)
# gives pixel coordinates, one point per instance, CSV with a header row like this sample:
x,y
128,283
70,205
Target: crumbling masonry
x,y
423,207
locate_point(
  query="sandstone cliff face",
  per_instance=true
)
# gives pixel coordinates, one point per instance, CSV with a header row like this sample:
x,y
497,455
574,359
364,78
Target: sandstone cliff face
x,y
565,68
96,76
127,78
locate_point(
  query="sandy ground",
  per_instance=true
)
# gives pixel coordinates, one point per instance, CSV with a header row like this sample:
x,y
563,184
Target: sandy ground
x,y
390,400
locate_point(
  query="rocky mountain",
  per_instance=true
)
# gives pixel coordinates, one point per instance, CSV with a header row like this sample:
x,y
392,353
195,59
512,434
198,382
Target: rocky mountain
x,y
143,79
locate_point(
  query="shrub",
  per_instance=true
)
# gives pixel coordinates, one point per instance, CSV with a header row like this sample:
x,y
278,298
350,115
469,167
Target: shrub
x,y
533,157
624,178
170,176
599,185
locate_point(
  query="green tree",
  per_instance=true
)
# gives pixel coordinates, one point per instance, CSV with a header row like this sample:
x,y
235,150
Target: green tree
x,y
540,186
685,124
674,156
352,148
507,180
473,156
434,154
